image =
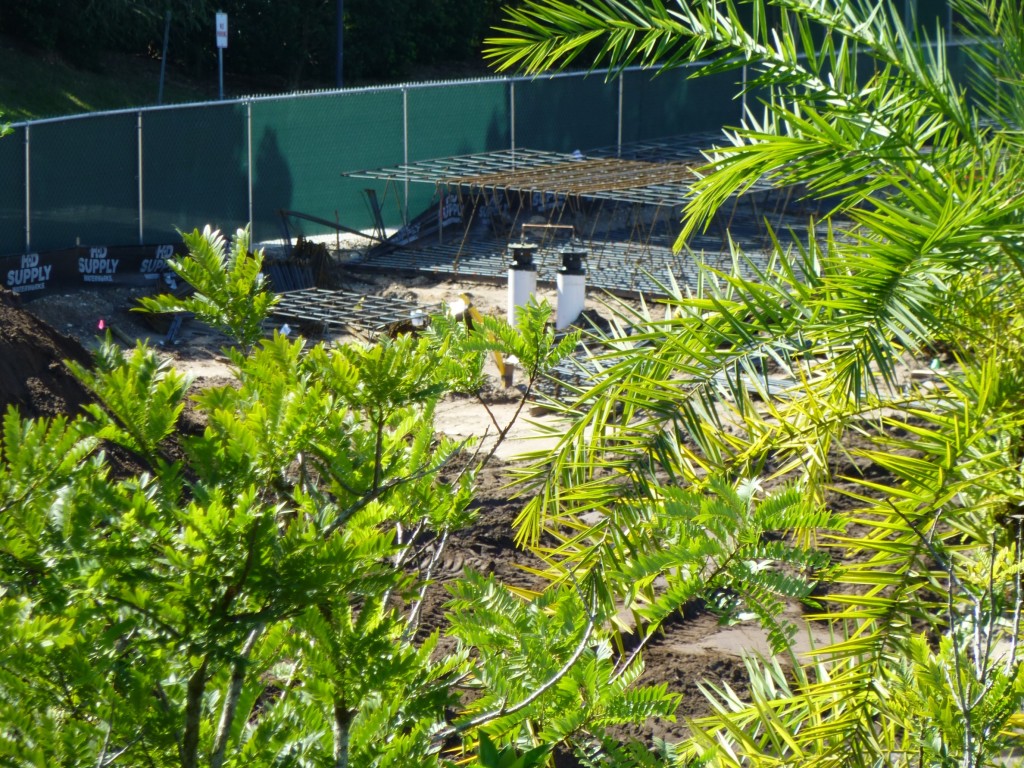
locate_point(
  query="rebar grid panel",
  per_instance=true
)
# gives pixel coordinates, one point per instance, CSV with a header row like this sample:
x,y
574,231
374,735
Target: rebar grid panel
x,y
620,268
335,311
607,178
429,171
646,173
631,248
625,204
528,172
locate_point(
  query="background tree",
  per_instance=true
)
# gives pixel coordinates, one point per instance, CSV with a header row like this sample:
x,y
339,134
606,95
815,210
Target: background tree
x,y
278,45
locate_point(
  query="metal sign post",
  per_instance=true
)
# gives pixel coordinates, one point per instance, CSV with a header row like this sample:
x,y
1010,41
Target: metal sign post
x,y
222,43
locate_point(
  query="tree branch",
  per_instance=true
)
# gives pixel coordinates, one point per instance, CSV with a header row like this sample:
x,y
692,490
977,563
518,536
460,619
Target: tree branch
x,y
412,623
341,726
193,715
227,714
494,714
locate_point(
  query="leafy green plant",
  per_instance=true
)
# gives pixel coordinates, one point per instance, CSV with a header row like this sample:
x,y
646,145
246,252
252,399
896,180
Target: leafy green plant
x,y
532,345
802,371
142,399
251,592
230,292
546,670
507,757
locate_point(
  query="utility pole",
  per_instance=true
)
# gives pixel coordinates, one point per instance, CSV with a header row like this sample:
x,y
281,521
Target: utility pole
x,y
339,69
163,57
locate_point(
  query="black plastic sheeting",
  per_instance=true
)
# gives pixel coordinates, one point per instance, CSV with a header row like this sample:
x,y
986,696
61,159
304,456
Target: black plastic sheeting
x,y
35,274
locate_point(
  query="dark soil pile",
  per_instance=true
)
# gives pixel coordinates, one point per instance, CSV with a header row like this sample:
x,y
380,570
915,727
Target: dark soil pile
x,y
33,376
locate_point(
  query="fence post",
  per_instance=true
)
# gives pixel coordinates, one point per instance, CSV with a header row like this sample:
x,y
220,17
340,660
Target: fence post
x,y
618,148
512,119
28,185
141,206
405,151
248,169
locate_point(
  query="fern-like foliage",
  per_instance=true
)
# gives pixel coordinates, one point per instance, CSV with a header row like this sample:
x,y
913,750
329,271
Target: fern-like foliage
x,y
230,292
531,341
142,395
542,671
254,596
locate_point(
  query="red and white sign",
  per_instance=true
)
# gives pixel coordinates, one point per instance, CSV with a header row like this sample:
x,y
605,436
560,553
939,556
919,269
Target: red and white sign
x,y
222,30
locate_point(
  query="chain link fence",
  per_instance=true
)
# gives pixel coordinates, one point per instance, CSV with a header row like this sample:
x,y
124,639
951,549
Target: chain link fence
x,y
139,177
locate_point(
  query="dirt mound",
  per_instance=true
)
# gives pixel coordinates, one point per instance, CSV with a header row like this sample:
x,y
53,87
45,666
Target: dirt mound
x,y
33,376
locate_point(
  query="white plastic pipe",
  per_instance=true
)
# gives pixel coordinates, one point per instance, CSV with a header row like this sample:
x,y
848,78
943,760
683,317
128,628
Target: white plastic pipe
x,y
522,284
572,296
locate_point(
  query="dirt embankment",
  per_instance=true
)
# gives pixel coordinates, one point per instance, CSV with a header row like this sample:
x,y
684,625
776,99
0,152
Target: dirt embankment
x,y
33,376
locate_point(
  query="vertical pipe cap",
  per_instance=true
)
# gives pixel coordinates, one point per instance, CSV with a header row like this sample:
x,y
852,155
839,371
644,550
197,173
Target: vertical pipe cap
x,y
573,255
522,256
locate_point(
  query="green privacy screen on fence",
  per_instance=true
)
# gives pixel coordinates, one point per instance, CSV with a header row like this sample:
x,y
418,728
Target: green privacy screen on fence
x,y
301,146
672,103
563,114
458,119
12,192
118,178
83,183
195,170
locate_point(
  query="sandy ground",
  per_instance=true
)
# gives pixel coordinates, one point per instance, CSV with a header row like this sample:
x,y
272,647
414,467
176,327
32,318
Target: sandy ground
x,y
197,351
